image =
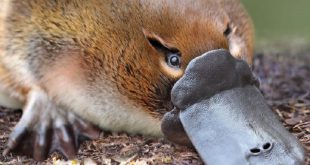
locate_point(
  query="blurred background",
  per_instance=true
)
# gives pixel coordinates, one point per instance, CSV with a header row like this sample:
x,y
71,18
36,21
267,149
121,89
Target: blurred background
x,y
280,24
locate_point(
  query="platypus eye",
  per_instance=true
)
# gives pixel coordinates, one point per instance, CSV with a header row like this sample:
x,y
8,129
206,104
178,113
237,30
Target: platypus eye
x,y
173,60
169,57
171,54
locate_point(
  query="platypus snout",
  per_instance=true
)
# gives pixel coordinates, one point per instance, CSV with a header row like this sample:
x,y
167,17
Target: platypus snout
x,y
220,111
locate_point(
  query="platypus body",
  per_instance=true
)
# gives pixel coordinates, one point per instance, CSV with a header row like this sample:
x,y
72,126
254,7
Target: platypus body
x,y
110,63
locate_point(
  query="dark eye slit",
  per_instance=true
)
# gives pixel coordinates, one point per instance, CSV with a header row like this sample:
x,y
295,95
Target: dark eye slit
x,y
228,30
160,47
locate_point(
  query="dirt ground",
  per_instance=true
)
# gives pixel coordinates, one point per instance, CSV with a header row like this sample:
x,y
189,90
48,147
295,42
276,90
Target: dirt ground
x,y
285,82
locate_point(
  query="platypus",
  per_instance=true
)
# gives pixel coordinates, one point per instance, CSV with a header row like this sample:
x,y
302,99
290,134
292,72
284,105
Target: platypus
x,y
73,66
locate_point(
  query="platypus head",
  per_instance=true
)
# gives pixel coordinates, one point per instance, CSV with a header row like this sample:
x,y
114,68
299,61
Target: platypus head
x,y
214,97
166,37
225,116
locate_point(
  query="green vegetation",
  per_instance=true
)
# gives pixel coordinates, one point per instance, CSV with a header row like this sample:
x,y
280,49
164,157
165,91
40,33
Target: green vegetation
x,y
280,20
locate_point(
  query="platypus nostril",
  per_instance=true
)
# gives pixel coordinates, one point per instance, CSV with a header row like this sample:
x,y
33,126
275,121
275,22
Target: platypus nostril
x,y
258,150
255,151
267,146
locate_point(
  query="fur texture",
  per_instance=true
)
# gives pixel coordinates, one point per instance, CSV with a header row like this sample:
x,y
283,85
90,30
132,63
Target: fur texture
x,y
93,57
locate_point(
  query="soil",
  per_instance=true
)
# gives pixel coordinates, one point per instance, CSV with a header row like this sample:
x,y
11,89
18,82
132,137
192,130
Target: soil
x,y
285,83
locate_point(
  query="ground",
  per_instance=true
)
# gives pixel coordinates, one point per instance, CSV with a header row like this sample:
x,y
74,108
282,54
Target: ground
x,y
285,83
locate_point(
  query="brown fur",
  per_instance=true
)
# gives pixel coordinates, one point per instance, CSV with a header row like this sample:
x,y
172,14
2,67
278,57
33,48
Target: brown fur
x,y
93,45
